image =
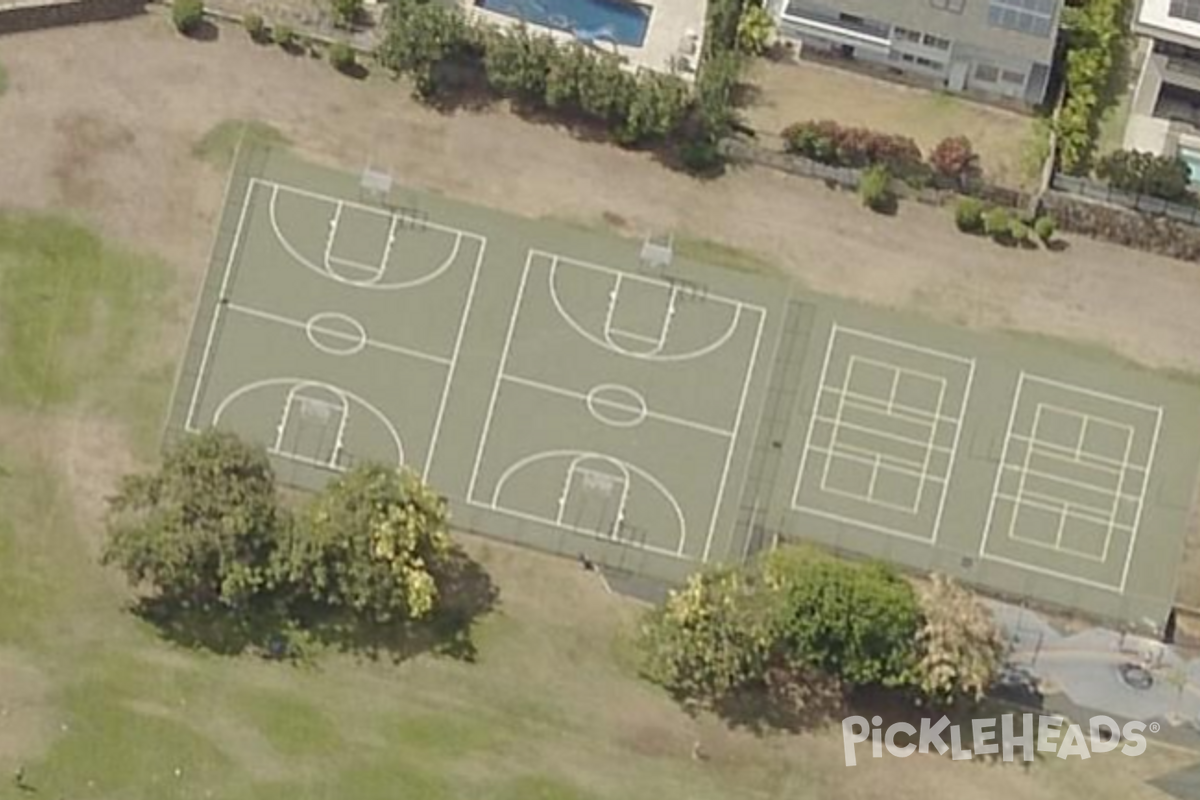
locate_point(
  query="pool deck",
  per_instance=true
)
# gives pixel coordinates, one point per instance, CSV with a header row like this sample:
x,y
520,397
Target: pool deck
x,y
671,23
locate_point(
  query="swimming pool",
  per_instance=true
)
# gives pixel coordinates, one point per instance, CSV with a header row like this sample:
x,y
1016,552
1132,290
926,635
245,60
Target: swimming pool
x,y
619,21
1192,159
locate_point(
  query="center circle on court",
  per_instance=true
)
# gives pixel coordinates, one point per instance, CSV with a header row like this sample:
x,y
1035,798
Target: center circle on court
x,y
617,405
335,333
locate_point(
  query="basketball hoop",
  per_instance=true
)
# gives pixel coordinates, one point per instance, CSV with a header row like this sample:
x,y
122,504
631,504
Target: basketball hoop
x,y
658,251
375,186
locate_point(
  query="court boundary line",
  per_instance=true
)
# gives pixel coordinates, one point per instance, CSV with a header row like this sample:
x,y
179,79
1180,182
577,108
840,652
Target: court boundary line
x,y
216,316
198,305
952,455
1030,440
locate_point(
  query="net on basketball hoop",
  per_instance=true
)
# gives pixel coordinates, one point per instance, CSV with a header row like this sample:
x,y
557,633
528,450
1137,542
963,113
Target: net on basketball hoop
x,y
658,251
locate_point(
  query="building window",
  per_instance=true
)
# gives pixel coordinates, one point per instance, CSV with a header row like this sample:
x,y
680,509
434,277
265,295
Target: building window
x,y
936,42
1185,9
1015,78
1033,17
986,73
928,64
905,35
953,6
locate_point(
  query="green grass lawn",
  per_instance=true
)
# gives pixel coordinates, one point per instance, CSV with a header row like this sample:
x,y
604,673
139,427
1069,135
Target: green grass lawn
x,y
219,145
550,709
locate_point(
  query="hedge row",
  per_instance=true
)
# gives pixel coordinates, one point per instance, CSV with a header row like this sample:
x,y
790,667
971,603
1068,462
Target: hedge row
x,y
1096,41
953,161
427,41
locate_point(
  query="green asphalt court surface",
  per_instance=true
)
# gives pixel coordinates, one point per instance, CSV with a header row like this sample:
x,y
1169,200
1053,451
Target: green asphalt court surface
x,y
567,396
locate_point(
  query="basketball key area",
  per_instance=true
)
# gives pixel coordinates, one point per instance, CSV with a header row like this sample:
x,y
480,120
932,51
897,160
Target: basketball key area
x,y
584,394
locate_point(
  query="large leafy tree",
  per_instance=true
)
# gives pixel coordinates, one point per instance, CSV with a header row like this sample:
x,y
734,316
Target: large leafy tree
x,y
200,529
708,638
374,543
856,622
961,649
420,37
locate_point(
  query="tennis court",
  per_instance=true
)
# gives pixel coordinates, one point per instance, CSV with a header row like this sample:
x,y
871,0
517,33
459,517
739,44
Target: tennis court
x,y
585,394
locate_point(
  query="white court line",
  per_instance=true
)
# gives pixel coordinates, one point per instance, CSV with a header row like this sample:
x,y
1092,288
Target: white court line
x,y
853,426
928,446
343,414
1116,503
1126,468
1061,453
1091,487
898,371
373,285
293,323
458,340
487,421
1008,439
582,396
517,514
611,271
837,421
329,237
1024,471
301,383
1057,546
925,477
815,417
1056,505
345,262
716,344
637,337
575,469
198,305
907,345
898,410
1064,576
387,247
1137,522
362,207
189,421
1103,395
733,441
521,463
861,455
855,522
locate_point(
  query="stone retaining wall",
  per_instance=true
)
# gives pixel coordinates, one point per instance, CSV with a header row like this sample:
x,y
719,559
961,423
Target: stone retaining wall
x,y
31,15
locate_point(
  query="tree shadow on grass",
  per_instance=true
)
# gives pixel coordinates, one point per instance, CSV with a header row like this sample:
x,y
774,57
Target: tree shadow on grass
x,y
898,705
204,31
290,631
786,702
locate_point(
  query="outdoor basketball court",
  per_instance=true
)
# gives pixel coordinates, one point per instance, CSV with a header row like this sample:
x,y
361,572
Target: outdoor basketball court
x,y
585,394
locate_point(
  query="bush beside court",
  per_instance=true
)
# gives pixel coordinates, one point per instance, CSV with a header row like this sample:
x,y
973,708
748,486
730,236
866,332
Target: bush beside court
x,y
187,15
207,534
797,615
